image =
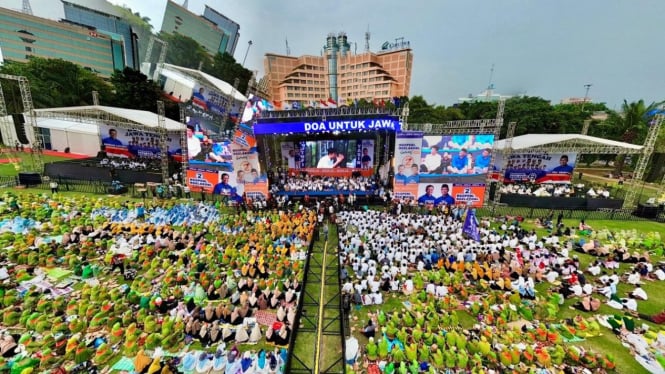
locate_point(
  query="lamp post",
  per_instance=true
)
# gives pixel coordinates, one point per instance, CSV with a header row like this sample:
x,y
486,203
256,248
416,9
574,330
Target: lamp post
x,y
249,44
586,95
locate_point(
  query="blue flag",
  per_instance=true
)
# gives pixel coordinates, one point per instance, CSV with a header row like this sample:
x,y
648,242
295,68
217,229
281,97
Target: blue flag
x,y
471,225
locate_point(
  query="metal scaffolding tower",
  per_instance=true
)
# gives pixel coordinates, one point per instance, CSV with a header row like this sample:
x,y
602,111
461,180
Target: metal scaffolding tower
x,y
507,151
27,9
497,133
229,106
30,119
643,161
163,142
184,164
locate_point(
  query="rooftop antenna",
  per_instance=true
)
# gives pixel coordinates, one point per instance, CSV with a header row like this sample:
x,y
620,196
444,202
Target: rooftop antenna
x,y
367,35
288,50
185,4
490,85
27,9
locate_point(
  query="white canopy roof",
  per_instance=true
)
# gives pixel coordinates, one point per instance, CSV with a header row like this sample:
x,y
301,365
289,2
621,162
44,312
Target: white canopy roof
x,y
217,83
540,140
68,126
140,118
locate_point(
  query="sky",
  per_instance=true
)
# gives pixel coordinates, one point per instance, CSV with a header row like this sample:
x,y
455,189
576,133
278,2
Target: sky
x,y
541,48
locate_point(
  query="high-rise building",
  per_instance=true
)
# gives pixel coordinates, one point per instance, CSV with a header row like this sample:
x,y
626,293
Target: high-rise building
x,y
213,38
341,74
231,29
104,18
23,36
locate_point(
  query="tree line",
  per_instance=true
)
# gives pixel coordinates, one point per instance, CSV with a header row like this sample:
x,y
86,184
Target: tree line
x,y
58,83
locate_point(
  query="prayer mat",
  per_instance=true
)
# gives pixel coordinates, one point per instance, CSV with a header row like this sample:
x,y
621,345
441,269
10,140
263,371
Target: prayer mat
x,y
265,318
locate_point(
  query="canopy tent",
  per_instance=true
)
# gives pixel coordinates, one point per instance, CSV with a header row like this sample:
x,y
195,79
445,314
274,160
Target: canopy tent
x,y
567,143
218,84
131,118
80,138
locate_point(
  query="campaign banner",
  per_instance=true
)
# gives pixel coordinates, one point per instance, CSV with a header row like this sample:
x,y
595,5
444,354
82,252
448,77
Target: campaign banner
x,y
131,143
243,139
464,158
257,190
246,165
365,154
407,154
436,194
293,154
540,167
322,126
209,100
214,181
469,194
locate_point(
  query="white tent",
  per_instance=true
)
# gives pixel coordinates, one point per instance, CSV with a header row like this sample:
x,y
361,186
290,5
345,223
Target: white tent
x,y
80,138
544,141
218,84
131,118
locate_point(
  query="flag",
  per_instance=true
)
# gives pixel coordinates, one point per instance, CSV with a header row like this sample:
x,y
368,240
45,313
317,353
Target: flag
x,y
312,104
323,104
332,103
396,101
470,227
295,105
349,101
355,102
277,105
286,105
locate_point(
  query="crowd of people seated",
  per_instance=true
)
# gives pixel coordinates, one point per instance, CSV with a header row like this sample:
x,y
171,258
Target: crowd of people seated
x,y
554,190
298,183
136,164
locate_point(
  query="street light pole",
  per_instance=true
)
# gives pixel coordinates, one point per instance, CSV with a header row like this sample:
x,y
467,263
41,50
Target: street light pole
x,y
586,95
249,44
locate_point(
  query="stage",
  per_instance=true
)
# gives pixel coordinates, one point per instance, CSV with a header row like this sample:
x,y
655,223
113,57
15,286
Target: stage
x,y
566,203
88,170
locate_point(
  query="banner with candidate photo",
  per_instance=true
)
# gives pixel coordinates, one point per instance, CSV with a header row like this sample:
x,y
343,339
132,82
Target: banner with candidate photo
x,y
406,167
456,158
364,154
536,167
210,100
448,193
132,143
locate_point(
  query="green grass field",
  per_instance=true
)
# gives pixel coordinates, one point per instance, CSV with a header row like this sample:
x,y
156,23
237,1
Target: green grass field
x,y
607,342
24,162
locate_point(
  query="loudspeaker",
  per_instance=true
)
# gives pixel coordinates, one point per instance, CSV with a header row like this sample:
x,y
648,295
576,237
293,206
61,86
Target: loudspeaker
x,y
29,179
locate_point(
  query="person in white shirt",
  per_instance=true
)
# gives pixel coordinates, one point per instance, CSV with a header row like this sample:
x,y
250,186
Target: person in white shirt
x,y
630,304
331,160
441,290
639,293
193,143
634,278
432,163
594,268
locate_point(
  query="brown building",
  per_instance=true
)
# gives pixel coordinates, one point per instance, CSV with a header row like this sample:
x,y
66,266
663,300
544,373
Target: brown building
x,y
340,74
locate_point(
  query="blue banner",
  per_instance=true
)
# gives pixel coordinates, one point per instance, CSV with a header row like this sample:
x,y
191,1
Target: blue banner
x,y
392,124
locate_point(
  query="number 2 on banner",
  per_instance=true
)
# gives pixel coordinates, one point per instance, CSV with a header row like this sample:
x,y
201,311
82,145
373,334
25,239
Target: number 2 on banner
x,y
199,175
467,190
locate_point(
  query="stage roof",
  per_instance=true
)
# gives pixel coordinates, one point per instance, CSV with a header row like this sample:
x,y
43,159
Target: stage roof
x,y
91,113
560,141
68,126
217,83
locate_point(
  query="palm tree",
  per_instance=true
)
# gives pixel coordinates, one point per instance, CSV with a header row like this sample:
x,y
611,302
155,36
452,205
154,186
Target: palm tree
x,y
631,125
